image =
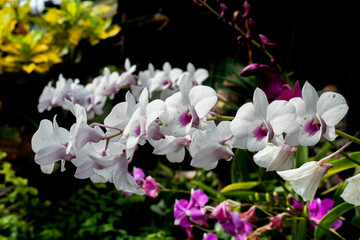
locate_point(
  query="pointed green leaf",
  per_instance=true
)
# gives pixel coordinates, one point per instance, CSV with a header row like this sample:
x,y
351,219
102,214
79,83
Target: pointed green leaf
x,y
240,186
298,230
342,164
301,156
328,220
239,166
245,195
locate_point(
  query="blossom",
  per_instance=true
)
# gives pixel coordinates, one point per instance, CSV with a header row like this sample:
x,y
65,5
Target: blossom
x,y
316,116
197,76
187,108
258,123
115,171
138,175
232,221
50,143
209,236
287,94
295,203
351,193
305,179
276,157
276,222
150,186
165,79
80,132
192,210
318,208
120,115
211,145
172,147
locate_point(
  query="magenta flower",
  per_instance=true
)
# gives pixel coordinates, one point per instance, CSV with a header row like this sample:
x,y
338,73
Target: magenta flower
x,y
295,203
318,208
233,222
209,236
271,82
265,41
277,222
150,186
192,210
138,175
287,93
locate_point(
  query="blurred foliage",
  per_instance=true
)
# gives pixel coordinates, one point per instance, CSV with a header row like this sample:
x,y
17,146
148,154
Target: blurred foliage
x,y
96,211
35,42
93,212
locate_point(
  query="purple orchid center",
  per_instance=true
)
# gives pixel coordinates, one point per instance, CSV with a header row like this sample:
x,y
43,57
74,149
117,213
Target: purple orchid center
x,y
185,118
260,132
138,130
313,126
166,82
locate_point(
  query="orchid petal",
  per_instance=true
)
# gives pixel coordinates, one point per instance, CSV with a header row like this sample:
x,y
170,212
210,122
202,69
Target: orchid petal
x,y
332,108
203,98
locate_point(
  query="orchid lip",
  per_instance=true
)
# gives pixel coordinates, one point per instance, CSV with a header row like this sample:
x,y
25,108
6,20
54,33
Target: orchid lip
x,y
312,126
185,118
260,132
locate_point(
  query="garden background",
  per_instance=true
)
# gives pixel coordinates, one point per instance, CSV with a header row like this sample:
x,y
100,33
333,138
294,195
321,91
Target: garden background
x,y
316,42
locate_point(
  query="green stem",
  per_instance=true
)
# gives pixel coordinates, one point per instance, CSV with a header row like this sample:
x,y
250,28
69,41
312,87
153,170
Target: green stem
x,y
347,136
345,154
112,136
226,118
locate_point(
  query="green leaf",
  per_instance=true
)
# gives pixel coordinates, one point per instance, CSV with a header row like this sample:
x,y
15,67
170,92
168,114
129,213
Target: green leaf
x,y
328,220
2,155
239,167
342,164
301,156
240,186
298,229
245,195
71,8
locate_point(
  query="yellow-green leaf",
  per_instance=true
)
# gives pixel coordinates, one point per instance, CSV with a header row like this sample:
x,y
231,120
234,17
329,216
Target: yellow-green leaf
x,y
29,68
71,8
240,186
328,220
75,35
342,164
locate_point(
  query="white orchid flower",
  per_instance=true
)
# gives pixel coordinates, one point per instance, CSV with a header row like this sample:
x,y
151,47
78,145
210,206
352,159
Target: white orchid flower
x,y
316,116
258,123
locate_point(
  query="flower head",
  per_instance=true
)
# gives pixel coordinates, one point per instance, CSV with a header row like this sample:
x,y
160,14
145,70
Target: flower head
x,y
150,186
306,179
317,210
316,116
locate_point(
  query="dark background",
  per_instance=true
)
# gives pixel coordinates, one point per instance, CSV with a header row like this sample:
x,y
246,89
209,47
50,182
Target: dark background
x,y
317,41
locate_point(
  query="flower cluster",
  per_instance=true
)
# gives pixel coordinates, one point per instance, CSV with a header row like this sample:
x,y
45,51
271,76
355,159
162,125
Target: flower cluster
x,y
179,122
187,214
93,96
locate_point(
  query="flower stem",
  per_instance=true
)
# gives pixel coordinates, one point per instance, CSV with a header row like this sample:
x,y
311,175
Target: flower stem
x,y
347,136
333,154
253,42
226,118
115,135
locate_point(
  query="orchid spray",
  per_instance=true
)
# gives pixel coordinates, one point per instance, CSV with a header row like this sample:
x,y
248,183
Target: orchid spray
x,y
171,110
